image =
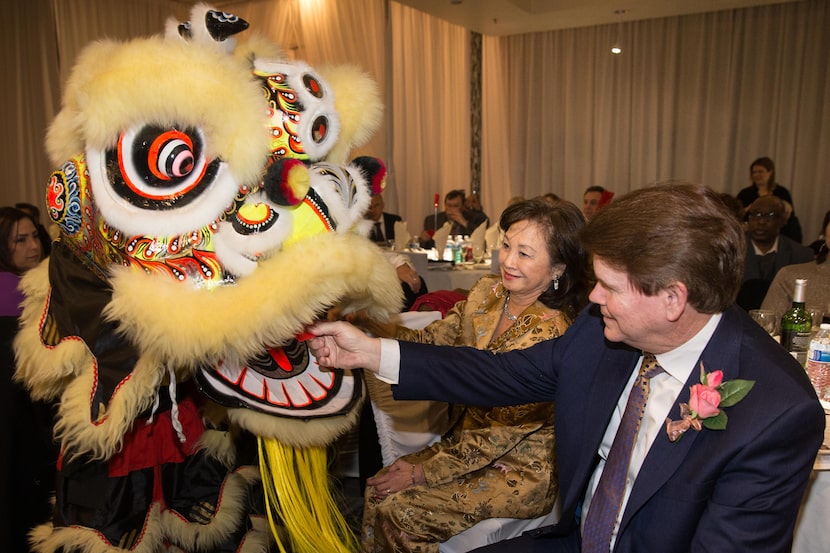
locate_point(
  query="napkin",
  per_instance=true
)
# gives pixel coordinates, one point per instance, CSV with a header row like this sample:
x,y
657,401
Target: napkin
x,y
477,239
440,238
402,236
493,237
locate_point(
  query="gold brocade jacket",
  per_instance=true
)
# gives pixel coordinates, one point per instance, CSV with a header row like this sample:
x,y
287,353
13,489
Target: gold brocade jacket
x,y
516,442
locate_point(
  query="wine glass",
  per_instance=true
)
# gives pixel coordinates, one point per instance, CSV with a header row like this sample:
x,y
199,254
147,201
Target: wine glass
x,y
766,318
478,253
817,315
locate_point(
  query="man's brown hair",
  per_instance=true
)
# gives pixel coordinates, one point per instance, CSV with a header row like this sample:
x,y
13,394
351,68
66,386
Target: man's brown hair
x,y
672,232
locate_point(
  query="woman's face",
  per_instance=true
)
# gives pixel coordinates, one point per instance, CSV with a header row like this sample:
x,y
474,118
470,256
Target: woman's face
x,y
524,261
24,245
760,175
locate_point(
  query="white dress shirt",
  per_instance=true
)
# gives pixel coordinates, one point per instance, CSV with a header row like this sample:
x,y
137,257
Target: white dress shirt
x,y
773,249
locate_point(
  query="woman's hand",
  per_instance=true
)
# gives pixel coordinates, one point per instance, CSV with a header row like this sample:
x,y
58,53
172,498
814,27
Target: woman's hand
x,y
399,476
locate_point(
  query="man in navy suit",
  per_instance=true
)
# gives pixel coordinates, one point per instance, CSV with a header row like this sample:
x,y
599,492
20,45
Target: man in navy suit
x,y
668,261
383,227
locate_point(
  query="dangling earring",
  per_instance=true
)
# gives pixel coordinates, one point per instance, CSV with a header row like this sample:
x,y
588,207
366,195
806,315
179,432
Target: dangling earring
x,y
556,283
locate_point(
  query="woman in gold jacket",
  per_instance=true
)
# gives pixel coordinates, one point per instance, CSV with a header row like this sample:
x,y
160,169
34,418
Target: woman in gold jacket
x,y
498,461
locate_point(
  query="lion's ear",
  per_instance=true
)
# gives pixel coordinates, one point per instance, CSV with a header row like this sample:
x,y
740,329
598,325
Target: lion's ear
x,y
207,26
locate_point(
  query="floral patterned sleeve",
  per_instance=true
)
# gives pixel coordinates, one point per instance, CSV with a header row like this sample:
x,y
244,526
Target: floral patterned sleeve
x,y
510,433
515,439
443,332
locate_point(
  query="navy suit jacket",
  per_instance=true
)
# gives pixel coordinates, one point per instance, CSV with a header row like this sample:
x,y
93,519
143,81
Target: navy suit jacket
x,y
754,285
389,220
789,252
738,489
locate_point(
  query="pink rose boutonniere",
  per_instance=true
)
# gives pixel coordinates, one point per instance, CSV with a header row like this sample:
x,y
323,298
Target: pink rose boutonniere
x,y
706,403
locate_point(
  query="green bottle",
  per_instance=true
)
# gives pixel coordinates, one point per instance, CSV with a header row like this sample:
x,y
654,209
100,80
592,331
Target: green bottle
x,y
796,325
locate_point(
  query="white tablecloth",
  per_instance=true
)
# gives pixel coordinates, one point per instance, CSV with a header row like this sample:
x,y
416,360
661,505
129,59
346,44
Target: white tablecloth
x,y
812,530
462,277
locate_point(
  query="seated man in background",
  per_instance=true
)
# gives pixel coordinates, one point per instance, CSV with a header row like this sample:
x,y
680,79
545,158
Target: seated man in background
x,y
593,199
473,203
463,222
383,228
766,250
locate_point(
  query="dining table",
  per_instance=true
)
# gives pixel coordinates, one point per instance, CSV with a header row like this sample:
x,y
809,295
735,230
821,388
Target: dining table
x,y
446,276
812,534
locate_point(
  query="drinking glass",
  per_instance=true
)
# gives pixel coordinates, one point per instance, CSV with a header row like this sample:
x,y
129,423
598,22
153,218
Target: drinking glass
x,y
478,253
766,318
817,315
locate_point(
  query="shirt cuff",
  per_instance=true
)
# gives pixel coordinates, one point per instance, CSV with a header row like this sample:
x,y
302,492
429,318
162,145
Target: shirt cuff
x,y
390,361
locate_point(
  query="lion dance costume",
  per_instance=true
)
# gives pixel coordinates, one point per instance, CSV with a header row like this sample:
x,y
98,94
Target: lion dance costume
x,y
207,215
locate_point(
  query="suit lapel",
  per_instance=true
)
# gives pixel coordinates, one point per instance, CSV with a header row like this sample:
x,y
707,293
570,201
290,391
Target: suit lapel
x,y
664,457
607,383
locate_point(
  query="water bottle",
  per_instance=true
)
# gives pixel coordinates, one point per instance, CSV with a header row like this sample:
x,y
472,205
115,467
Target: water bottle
x,y
818,362
457,253
448,250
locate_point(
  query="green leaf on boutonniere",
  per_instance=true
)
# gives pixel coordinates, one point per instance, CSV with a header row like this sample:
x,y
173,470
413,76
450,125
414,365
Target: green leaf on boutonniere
x,y
733,391
718,422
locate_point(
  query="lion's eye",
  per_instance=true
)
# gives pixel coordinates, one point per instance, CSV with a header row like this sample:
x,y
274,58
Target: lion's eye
x,y
158,168
319,129
171,155
313,85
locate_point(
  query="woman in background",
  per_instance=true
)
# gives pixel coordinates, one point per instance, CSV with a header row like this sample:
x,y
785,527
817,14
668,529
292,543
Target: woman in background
x,y
20,250
494,461
27,453
762,174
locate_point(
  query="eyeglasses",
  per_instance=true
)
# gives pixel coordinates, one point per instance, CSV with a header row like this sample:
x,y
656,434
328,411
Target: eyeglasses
x,y
758,215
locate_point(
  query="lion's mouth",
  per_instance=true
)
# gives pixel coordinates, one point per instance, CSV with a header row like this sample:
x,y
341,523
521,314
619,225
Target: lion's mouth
x,y
282,380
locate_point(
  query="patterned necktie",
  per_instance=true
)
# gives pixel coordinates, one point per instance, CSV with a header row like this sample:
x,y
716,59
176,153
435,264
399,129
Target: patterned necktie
x,y
607,500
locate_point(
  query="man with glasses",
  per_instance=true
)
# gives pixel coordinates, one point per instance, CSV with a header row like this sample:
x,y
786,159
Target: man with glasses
x,y
767,250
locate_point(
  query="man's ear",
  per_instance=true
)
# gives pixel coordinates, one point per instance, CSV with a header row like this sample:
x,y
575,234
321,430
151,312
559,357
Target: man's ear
x,y
674,298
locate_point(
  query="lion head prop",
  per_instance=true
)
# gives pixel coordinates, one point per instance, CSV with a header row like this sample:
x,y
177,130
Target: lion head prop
x,y
207,215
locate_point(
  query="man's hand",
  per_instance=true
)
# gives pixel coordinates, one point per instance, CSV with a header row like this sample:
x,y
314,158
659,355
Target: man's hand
x,y
409,276
340,345
456,215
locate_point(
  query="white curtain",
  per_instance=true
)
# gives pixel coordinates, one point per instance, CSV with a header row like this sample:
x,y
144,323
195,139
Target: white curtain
x,y
695,97
430,111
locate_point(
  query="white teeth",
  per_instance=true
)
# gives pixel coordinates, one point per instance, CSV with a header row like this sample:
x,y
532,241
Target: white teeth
x,y
314,391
